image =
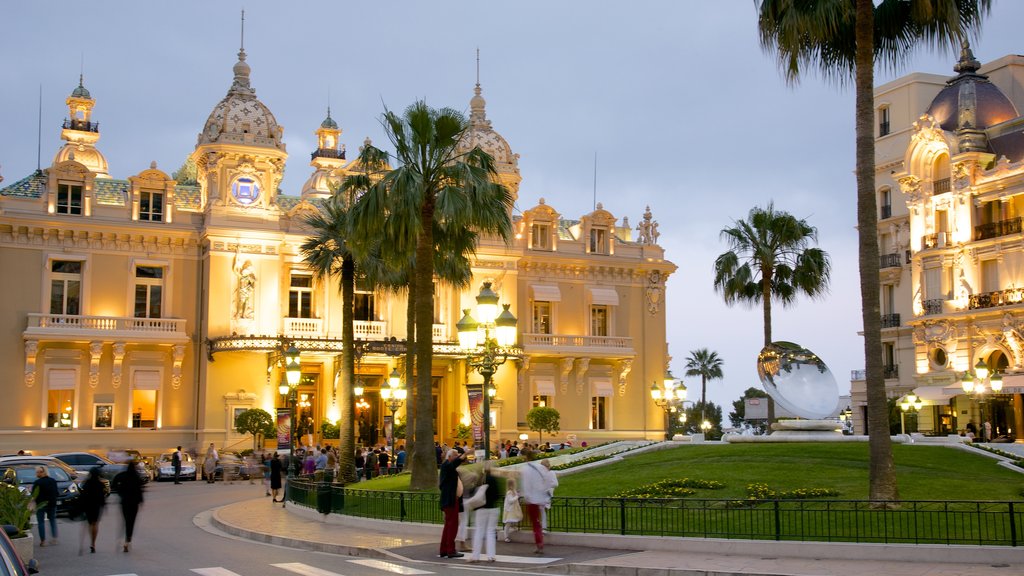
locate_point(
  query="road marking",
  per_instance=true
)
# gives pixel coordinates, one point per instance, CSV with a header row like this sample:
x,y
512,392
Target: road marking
x,y
389,566
214,571
305,569
520,559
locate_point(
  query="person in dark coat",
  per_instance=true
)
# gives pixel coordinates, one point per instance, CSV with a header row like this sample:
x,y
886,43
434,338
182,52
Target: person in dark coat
x,y
45,490
92,499
275,477
448,482
128,486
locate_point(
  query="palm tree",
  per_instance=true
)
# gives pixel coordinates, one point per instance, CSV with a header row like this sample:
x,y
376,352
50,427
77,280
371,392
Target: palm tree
x,y
844,38
433,188
708,365
770,258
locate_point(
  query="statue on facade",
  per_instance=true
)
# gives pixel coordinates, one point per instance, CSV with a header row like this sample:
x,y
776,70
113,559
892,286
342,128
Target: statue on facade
x,y
647,230
246,291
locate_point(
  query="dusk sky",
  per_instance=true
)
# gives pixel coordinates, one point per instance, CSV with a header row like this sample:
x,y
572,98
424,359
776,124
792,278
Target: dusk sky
x,y
683,109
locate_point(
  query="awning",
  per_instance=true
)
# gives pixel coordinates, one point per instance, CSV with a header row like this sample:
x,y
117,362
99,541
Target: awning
x,y
604,296
937,393
60,379
146,380
544,386
601,387
546,293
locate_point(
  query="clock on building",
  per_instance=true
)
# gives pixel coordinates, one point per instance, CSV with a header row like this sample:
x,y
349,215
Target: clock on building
x,y
245,190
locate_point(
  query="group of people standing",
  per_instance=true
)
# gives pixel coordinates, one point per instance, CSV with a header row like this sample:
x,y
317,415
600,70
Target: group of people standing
x,y
479,492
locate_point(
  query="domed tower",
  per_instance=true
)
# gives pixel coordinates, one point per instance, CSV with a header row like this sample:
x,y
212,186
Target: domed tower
x,y
481,134
969,104
326,159
81,133
240,154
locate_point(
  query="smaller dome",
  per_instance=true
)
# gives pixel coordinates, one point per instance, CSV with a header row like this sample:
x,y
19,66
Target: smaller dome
x,y
329,122
80,91
481,134
991,106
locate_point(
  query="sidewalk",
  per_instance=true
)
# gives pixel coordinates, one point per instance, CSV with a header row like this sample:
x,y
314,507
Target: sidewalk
x,y
588,554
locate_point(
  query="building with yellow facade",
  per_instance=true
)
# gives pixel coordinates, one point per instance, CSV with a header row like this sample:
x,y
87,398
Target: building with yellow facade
x,y
950,177
147,312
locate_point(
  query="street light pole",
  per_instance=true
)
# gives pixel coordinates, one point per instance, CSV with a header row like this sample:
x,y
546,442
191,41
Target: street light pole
x,y
908,403
394,397
670,398
487,353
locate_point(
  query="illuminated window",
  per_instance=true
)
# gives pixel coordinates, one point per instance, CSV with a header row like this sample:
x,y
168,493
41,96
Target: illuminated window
x,y
151,206
540,400
149,287
300,296
60,398
598,241
598,320
69,199
541,317
541,237
145,399
365,304
598,413
245,190
66,287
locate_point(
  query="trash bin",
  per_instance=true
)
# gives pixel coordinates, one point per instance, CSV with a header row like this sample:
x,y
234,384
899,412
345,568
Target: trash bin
x,y
323,498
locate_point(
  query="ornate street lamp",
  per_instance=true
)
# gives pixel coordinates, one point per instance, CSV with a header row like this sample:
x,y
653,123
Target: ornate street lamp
x,y
907,403
487,353
394,397
293,374
669,397
975,387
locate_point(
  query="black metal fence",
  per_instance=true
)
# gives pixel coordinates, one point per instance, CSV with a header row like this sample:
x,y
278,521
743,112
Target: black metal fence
x,y
913,522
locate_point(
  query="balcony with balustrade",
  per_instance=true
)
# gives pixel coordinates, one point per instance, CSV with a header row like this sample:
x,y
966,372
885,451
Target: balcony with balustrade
x,y
890,320
1008,297
68,327
933,306
569,344
997,229
941,186
303,327
890,261
890,372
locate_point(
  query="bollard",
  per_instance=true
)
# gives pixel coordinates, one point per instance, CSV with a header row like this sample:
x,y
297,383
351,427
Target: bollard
x,y
323,498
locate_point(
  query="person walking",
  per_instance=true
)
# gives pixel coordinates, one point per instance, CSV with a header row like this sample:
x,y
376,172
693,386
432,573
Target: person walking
x,y
536,493
176,463
451,495
128,486
552,482
210,464
512,512
275,477
92,500
45,490
485,518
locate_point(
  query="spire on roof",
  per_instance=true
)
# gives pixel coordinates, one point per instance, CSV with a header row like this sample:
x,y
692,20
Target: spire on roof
x,y
241,69
968,64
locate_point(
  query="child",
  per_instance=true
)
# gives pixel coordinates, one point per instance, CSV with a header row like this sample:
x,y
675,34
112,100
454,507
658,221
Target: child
x,y
512,512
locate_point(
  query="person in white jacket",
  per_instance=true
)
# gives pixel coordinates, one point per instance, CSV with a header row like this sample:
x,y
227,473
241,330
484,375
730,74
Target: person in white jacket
x,y
535,489
552,481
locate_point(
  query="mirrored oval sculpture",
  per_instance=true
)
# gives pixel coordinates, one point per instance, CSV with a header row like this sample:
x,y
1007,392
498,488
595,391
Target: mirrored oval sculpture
x,y
798,380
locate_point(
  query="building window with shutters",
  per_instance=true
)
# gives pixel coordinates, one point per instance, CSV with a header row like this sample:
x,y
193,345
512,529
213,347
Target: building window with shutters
x,y
69,199
151,206
300,296
66,287
149,291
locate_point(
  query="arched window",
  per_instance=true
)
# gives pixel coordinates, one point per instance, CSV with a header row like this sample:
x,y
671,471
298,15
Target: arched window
x,y
997,361
940,174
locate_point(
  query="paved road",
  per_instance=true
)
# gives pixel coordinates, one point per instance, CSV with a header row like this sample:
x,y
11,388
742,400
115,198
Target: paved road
x,y
168,542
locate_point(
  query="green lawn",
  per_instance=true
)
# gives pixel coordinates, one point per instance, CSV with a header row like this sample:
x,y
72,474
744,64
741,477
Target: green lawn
x,y
925,472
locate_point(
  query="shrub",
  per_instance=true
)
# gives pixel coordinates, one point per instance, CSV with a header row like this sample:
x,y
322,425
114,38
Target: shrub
x,y
759,491
14,508
580,462
671,488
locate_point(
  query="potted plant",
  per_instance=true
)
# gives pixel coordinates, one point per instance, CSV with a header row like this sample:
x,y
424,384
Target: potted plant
x,y
15,510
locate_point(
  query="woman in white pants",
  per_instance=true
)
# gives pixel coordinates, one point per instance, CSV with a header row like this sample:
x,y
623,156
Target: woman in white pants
x,y
485,519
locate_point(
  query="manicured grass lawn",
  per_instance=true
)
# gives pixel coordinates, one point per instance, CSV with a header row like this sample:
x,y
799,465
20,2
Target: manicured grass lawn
x,y
924,472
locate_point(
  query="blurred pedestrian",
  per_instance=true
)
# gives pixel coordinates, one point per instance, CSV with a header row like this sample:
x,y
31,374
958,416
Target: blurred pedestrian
x,y
266,473
536,492
45,490
512,514
275,477
128,486
210,463
451,495
92,498
176,463
485,518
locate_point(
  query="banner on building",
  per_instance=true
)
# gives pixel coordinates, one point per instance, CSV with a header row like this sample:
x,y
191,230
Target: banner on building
x,y
284,428
476,411
388,430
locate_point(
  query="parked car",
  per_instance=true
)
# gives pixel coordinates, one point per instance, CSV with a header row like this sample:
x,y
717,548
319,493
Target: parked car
x,y
84,462
23,474
10,562
148,463
165,471
229,463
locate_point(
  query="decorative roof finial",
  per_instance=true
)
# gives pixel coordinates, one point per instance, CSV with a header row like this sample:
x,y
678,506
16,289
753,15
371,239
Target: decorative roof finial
x,y
477,115
242,45
241,69
968,64
477,66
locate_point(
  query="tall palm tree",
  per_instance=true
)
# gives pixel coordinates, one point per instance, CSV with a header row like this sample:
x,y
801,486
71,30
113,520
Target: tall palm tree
x,y
708,365
770,258
844,39
434,187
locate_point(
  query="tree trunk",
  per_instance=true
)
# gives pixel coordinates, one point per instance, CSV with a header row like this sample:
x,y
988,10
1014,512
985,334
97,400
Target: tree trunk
x,y
882,473
346,435
410,373
424,463
703,395
766,302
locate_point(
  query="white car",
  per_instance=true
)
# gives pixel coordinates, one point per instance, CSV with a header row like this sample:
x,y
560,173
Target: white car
x,y
165,471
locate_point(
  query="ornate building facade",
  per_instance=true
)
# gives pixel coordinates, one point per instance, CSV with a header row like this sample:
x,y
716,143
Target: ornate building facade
x,y
147,312
950,177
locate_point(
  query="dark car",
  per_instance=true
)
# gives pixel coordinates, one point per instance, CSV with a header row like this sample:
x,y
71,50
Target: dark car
x,y
24,474
146,463
10,562
84,462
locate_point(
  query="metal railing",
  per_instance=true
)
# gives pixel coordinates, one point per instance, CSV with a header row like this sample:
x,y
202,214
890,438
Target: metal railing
x,y
933,306
997,229
890,320
81,125
890,261
890,372
940,186
883,129
886,211
327,153
1006,297
913,522
858,375
936,240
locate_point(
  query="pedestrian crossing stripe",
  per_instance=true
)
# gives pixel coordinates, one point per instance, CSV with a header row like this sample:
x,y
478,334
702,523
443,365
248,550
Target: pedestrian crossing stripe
x,y
520,559
305,569
389,566
214,571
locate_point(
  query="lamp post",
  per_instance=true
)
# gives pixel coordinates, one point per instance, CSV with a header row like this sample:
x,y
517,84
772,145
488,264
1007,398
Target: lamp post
x,y
487,353
669,397
290,386
394,397
975,387
907,403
